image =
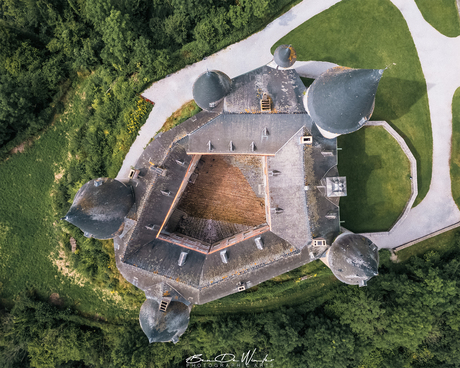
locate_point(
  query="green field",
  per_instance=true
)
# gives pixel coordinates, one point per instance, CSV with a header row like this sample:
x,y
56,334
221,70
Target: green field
x,y
442,15
28,239
378,180
455,154
374,34
34,194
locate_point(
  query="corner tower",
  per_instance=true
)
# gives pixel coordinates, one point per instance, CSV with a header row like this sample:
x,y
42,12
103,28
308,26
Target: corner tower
x,y
342,99
99,208
285,56
353,259
210,88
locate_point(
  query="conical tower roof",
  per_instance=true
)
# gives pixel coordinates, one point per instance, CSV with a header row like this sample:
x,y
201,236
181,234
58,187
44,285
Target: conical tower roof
x,y
163,326
285,56
100,206
353,259
341,100
210,88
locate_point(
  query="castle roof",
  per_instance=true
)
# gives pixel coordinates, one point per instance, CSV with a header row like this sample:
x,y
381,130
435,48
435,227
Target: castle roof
x,y
285,56
210,88
100,206
341,100
353,259
164,326
281,166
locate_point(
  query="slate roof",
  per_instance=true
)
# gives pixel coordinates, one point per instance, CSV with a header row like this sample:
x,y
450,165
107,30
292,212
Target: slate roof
x,y
341,100
284,87
163,326
289,216
267,132
292,175
353,259
285,56
210,88
100,206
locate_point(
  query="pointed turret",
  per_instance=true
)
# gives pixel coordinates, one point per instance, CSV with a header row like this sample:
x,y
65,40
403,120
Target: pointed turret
x,y
353,259
210,88
285,56
100,206
161,325
342,99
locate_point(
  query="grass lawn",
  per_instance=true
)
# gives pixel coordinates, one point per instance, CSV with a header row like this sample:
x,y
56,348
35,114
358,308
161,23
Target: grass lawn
x,y
374,34
30,250
442,15
378,179
185,112
455,154
27,234
442,244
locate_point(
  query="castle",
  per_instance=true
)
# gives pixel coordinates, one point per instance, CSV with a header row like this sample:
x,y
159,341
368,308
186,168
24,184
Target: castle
x,y
243,191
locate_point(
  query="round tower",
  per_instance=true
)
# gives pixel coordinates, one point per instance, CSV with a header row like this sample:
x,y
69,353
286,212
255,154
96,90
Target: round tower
x,y
100,206
341,100
285,56
163,326
211,87
353,259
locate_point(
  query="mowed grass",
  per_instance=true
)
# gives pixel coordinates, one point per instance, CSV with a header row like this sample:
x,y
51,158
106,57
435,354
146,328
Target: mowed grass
x,y
374,34
455,153
441,244
378,179
442,15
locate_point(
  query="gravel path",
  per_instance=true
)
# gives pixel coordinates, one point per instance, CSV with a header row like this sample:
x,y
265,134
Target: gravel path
x,y
439,57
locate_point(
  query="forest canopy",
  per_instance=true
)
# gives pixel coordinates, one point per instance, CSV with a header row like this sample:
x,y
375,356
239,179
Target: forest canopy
x,y
46,43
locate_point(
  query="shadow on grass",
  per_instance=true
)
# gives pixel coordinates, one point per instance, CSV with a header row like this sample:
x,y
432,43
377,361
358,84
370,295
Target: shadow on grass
x,y
356,207
395,99
396,96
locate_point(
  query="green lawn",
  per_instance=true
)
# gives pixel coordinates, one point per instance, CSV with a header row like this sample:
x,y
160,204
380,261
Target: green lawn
x,y
31,240
378,179
455,154
374,34
441,244
27,234
442,15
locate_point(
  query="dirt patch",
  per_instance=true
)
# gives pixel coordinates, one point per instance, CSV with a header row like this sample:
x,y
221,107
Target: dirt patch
x,y
55,299
63,266
58,176
20,148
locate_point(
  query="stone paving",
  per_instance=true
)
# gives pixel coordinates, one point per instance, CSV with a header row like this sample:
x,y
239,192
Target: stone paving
x,y
439,56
